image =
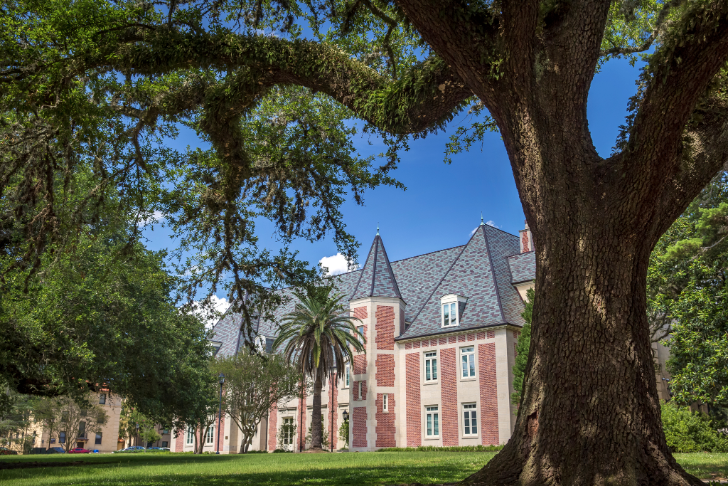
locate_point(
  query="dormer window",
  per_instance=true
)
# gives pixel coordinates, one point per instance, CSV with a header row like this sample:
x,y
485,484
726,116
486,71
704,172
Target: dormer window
x,y
452,308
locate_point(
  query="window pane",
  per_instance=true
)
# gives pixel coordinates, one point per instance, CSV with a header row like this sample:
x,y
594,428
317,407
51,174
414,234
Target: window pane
x,y
446,315
474,420
472,365
465,365
429,424
434,369
437,424
427,370
453,313
466,422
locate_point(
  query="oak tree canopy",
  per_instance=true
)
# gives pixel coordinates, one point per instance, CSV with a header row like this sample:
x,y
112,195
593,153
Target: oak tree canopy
x,y
270,84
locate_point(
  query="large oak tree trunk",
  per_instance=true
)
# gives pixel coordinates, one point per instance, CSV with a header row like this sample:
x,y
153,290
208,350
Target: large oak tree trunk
x,y
316,425
590,413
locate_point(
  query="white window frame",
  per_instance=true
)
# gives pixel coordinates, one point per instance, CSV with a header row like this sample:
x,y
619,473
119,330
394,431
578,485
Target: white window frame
x,y
432,422
385,402
190,439
453,303
210,435
429,369
470,420
361,397
469,357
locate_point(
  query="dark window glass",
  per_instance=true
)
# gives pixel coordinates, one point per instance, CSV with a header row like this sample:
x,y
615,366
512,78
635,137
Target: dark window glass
x,y
98,438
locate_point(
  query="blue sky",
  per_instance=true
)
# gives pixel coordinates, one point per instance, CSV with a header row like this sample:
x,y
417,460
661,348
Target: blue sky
x,y
442,203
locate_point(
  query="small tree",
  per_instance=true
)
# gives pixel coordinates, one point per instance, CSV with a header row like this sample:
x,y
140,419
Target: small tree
x,y
253,384
344,433
75,419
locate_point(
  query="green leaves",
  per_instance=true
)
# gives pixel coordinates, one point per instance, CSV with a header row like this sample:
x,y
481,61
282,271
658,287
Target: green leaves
x,y
687,291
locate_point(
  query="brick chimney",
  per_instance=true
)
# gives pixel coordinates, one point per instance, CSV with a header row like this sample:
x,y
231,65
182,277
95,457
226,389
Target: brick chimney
x,y
526,239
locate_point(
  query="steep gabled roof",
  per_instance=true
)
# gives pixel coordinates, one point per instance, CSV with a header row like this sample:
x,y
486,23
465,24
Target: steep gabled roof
x,y
376,278
477,274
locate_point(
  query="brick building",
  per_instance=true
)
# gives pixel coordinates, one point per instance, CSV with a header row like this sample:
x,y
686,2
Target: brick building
x,y
441,332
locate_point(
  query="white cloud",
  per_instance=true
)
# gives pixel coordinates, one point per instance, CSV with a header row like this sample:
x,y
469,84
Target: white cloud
x,y
213,311
336,264
474,230
155,217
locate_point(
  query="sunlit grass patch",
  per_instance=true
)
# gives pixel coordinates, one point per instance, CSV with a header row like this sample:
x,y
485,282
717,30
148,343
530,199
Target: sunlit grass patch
x,y
280,469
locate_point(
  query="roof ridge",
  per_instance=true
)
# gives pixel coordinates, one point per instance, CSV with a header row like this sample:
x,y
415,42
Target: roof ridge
x,y
356,289
495,279
377,239
391,273
424,302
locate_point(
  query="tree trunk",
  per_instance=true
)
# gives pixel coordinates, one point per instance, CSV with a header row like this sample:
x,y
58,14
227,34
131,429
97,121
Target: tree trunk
x,y
590,413
316,425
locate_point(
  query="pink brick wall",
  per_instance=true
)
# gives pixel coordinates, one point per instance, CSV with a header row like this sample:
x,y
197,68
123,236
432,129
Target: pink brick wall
x,y
449,390
179,441
414,420
385,422
363,390
488,394
384,370
491,334
359,427
273,427
360,312
385,327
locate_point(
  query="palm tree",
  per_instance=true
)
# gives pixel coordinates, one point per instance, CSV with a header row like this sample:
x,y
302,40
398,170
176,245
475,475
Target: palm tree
x,y
320,338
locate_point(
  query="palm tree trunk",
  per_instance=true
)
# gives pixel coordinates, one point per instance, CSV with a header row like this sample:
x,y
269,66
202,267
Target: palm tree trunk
x,y
316,425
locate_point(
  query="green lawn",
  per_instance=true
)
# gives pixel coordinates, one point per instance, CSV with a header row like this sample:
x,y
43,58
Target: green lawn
x,y
280,469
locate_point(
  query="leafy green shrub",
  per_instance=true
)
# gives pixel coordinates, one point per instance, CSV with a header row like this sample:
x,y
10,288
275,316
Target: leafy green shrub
x,y
477,448
282,451
686,431
344,432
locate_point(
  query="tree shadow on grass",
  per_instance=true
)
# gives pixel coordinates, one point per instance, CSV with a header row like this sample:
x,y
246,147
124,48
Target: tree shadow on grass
x,y
423,471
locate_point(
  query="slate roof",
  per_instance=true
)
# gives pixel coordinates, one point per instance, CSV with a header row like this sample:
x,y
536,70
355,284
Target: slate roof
x,y
483,271
376,278
523,267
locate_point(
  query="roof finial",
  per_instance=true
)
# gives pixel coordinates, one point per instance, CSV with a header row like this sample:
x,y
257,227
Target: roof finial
x,y
377,228
481,218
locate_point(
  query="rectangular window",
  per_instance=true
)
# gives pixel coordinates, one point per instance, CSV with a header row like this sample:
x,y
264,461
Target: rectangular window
x,y
360,394
64,417
190,435
347,376
385,402
210,437
165,443
287,431
102,399
361,332
432,418
450,314
98,438
82,429
470,420
431,366
467,355
62,437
